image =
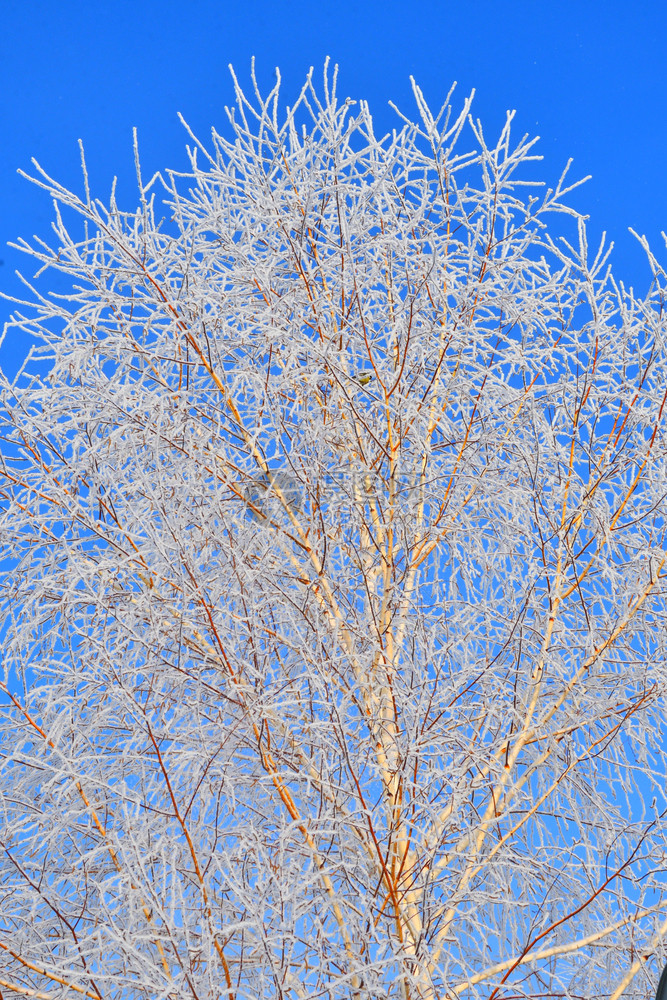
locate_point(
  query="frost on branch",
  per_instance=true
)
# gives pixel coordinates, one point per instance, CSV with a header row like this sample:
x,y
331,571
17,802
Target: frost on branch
x,y
333,581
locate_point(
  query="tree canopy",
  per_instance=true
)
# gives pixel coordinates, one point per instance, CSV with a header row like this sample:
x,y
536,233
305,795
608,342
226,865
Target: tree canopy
x,y
333,584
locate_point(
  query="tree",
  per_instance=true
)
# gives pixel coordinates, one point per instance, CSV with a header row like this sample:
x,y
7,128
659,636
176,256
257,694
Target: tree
x,y
319,684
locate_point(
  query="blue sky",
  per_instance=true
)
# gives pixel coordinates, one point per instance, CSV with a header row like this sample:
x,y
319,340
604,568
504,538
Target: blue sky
x,y
589,77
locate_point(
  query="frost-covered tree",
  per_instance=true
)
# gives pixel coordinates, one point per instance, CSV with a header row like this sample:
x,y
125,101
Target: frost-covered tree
x,y
333,531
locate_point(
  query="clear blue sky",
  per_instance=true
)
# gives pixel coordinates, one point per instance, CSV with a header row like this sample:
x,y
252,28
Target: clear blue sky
x,y
589,77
